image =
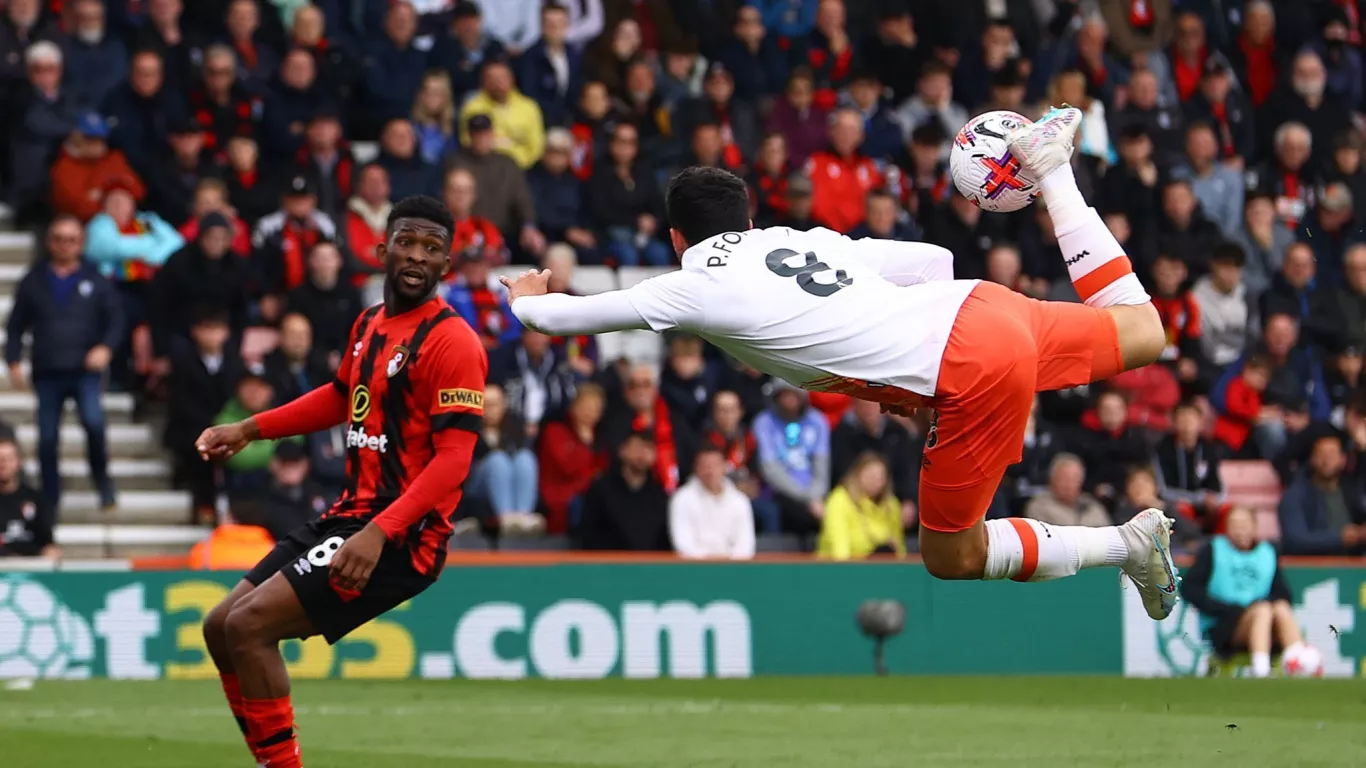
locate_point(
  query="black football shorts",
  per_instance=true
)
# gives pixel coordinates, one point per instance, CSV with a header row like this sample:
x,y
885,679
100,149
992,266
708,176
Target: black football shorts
x,y
304,556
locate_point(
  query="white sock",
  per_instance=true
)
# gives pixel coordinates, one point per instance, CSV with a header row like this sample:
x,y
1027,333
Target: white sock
x,y
1027,550
1261,665
1096,262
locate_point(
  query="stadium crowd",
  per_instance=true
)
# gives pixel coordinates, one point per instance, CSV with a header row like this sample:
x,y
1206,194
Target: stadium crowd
x,y
190,166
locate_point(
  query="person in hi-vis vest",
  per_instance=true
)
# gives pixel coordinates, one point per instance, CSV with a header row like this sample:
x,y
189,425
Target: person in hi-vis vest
x,y
1244,603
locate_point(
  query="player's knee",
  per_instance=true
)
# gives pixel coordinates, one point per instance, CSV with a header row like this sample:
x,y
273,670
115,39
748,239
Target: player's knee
x,y
244,626
954,565
1282,608
1148,337
215,626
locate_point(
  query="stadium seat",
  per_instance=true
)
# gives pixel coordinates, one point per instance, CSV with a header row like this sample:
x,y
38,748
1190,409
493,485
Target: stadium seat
x,y
629,276
778,542
589,280
364,151
636,346
1254,484
533,544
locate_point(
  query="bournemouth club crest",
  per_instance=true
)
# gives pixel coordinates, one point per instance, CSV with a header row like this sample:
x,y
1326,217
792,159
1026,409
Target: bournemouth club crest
x,y
397,360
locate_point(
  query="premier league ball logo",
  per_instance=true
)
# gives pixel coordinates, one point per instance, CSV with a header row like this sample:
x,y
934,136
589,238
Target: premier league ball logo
x,y
39,636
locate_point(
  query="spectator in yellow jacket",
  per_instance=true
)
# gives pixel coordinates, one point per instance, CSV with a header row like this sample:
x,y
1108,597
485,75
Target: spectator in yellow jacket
x,y
862,516
518,127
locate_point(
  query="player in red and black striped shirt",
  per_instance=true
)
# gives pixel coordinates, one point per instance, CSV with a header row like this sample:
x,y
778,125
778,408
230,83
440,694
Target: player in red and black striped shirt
x,y
411,388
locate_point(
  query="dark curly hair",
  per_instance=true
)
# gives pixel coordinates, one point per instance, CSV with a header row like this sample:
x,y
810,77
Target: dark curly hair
x,y
421,207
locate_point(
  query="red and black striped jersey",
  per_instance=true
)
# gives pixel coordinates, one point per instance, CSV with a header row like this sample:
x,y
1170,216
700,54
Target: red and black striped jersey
x,y
406,378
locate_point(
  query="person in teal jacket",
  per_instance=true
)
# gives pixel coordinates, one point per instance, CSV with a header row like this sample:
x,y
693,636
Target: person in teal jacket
x,y
1244,603
127,246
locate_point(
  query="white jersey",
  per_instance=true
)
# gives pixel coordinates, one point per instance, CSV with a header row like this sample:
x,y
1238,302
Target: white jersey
x,y
812,308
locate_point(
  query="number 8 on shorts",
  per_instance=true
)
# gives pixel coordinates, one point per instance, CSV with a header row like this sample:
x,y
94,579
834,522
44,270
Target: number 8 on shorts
x,y
322,554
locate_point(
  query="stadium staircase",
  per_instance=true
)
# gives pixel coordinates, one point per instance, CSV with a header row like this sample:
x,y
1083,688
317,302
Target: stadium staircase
x,y
151,517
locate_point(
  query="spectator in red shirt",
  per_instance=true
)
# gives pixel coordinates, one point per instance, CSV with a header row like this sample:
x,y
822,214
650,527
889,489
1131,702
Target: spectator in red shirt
x,y
727,433
212,195
569,457
473,234
1243,408
1180,315
366,215
86,167
1187,55
593,123
282,240
841,177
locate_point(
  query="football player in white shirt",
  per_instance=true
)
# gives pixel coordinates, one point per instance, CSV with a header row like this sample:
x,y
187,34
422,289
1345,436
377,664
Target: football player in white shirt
x,y
886,321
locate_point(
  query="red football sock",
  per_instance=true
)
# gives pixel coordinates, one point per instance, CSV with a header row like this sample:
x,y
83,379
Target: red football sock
x,y
270,729
233,691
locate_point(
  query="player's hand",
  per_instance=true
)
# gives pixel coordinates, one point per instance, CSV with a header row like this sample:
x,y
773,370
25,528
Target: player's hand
x,y
223,442
16,376
355,561
532,282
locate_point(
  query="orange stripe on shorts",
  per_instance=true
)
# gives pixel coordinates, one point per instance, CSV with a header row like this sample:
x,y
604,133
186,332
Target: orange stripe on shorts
x,y
1030,540
1096,280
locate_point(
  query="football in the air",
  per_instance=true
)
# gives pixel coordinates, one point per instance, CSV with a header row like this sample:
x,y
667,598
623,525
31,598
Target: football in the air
x,y
985,170
1303,660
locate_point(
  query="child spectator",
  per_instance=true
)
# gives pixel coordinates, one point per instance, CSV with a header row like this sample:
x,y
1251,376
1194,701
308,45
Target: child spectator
x,y
1180,317
1186,467
211,195
249,467
1222,300
1243,407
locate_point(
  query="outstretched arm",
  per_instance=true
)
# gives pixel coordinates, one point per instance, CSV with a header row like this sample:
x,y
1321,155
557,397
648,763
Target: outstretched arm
x,y
661,303
323,408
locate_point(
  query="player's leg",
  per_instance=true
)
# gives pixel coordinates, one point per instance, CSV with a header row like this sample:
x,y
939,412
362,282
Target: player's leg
x,y
216,641
1253,632
1285,627
254,628
984,395
1096,262
216,621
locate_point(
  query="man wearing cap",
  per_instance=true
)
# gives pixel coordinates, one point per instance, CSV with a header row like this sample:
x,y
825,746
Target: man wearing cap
x,y
504,197
282,240
518,127
290,497
203,273
175,175
86,167
325,157
1225,107
738,121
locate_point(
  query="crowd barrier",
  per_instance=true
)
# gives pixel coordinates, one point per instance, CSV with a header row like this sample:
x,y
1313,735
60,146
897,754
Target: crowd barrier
x,y
568,617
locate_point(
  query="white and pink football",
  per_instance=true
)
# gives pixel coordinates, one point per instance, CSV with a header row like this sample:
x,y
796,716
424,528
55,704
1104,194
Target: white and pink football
x,y
985,170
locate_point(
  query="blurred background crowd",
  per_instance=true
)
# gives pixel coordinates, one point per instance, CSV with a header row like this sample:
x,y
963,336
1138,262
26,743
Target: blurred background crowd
x,y
208,180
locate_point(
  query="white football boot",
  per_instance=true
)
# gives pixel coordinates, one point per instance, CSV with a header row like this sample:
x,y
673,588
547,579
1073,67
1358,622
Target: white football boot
x,y
1149,538
1046,144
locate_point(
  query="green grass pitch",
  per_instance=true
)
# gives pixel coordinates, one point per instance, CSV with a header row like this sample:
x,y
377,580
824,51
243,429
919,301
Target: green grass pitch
x,y
792,722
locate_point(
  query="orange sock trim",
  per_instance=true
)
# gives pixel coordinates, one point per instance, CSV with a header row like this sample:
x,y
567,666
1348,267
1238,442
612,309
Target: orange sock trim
x,y
1030,540
1096,280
